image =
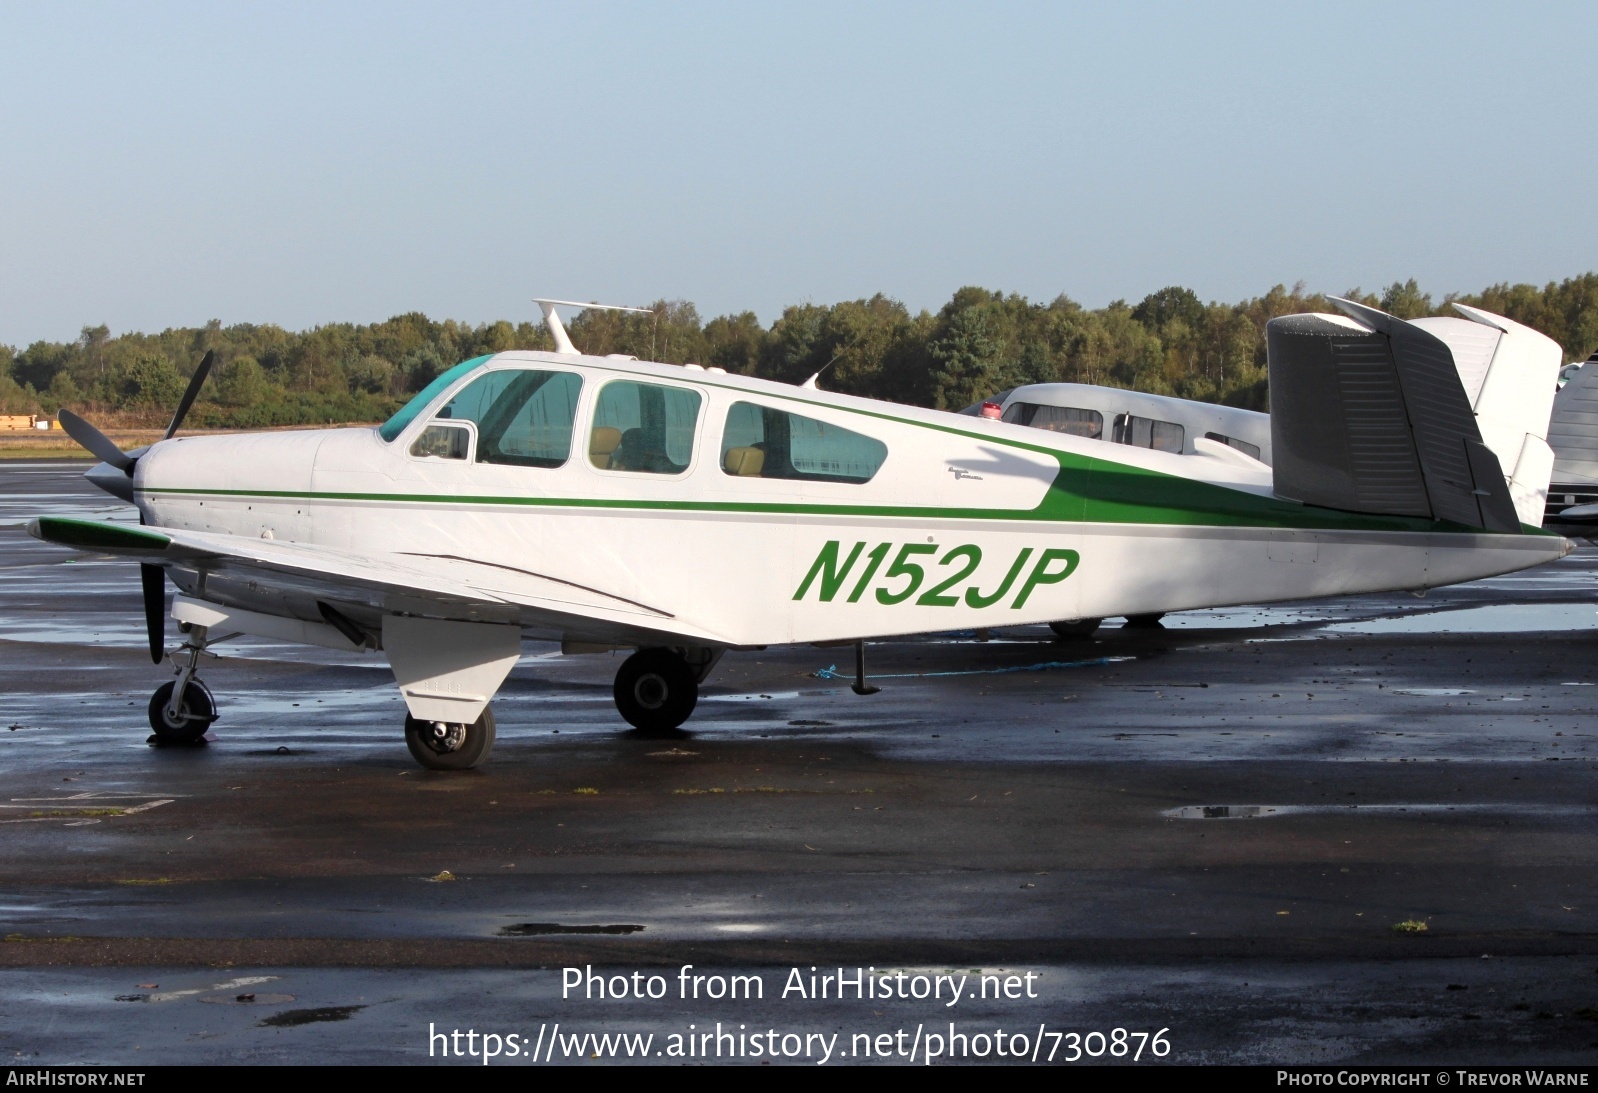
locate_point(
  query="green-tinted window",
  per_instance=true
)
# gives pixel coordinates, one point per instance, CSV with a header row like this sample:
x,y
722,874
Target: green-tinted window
x,y
442,442
523,416
394,426
1145,432
1250,450
645,427
760,442
1057,419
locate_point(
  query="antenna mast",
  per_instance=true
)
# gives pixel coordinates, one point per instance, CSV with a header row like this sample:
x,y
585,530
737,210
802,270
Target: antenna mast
x,y
563,342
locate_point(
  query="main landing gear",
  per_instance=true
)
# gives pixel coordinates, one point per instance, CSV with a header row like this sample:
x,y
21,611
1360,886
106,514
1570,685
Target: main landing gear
x,y
657,689
181,711
1075,628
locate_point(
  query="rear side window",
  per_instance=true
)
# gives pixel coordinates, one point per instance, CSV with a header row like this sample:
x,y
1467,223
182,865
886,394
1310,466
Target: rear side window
x,y
761,442
523,416
1250,450
643,427
1147,432
1057,419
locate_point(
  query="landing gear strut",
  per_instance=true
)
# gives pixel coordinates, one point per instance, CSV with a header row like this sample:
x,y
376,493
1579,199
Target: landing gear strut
x,y
181,711
450,745
656,689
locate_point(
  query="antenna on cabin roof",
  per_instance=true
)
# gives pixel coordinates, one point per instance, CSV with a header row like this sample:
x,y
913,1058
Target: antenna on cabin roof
x,y
563,343
811,382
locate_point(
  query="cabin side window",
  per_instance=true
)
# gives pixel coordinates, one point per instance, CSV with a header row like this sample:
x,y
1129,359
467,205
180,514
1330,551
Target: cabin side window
x,y
643,427
762,442
1250,450
523,416
443,442
1147,432
1057,419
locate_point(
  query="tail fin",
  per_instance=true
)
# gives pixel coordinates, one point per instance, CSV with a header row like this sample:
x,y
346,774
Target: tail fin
x,y
1510,373
1370,413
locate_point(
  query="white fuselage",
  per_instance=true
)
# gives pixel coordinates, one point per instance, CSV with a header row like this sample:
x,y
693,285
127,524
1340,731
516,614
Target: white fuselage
x,y
971,523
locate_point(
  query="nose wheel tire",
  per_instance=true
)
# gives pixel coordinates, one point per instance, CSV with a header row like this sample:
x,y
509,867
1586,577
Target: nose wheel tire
x,y
1075,628
656,690
194,715
450,745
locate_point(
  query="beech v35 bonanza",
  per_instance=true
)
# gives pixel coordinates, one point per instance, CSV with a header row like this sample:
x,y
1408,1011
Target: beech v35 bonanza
x,y
682,512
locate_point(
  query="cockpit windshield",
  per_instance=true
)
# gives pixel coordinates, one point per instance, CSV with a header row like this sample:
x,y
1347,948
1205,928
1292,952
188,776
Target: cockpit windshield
x,y
394,426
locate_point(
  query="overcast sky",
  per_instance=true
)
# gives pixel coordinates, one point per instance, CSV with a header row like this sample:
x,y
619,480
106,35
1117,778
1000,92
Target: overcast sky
x,y
166,164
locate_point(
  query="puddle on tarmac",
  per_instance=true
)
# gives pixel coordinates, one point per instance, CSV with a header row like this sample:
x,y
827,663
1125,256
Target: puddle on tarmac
x,y
833,671
1233,618
1502,618
1260,812
290,1018
540,929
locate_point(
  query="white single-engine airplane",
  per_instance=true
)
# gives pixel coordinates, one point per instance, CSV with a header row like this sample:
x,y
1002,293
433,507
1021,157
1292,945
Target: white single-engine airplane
x,y
680,511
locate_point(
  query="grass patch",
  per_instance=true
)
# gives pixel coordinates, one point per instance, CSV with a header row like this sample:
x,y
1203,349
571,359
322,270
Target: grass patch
x,y
1409,926
23,938
67,812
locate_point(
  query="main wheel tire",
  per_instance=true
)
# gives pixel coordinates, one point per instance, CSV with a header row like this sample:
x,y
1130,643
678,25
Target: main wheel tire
x,y
1075,628
194,718
1150,621
446,745
656,690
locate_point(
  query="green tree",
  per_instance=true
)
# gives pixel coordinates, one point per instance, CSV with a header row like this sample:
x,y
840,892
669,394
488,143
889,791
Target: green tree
x,y
151,382
734,342
1406,300
372,373
242,382
967,353
1171,304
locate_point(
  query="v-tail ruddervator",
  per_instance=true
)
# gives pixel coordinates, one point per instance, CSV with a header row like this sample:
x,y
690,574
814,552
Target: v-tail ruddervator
x,y
683,512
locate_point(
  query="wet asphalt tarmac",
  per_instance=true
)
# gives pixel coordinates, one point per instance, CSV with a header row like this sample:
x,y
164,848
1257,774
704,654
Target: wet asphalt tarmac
x,y
1211,828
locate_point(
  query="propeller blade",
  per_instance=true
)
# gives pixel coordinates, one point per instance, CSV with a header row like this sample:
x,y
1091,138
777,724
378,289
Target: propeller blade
x,y
153,578
195,383
95,441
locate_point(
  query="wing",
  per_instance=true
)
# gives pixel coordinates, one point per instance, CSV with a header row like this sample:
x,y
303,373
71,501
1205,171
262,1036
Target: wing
x,y
439,586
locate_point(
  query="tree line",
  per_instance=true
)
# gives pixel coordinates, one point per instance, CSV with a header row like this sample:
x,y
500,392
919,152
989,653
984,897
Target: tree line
x,y
980,342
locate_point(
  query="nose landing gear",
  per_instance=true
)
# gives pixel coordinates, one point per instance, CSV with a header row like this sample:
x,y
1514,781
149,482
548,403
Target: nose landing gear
x,y
185,721
181,711
450,745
